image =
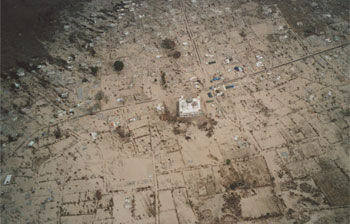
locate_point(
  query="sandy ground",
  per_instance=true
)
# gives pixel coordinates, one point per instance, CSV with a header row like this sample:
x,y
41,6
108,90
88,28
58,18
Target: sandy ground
x,y
86,142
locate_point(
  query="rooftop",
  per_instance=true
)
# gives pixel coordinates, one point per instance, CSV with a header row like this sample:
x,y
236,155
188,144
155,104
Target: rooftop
x,y
189,107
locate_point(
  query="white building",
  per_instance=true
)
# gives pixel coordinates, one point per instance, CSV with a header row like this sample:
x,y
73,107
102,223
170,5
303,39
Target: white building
x,y
189,107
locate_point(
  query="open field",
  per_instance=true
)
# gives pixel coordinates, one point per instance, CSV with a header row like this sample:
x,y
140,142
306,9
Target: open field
x,y
89,140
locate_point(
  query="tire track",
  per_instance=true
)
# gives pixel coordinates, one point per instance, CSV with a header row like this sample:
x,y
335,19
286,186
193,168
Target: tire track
x,y
280,65
190,34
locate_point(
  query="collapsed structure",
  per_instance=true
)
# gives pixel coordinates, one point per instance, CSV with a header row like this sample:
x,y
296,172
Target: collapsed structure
x,y
189,107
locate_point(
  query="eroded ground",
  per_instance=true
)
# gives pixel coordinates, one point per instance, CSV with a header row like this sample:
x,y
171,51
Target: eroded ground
x,y
88,144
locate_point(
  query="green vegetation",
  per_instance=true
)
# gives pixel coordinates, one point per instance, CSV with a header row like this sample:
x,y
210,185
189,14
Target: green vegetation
x,y
118,66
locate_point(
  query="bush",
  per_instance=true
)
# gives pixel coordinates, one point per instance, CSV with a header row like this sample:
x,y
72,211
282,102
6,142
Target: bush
x,y
176,55
168,44
94,108
163,80
118,66
57,132
99,95
94,70
98,195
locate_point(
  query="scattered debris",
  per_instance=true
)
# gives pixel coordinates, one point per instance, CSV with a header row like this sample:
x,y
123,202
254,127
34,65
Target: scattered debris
x,y
50,90
45,134
31,143
209,55
93,135
20,72
300,23
311,98
259,58
259,64
127,203
238,69
114,124
134,119
61,113
64,95
215,79
16,85
119,100
211,62
160,107
226,61
8,179
230,86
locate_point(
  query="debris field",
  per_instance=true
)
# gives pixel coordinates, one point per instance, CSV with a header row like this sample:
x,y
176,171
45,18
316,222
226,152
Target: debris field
x,y
91,132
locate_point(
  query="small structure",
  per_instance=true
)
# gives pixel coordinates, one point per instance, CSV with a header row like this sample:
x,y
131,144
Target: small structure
x,y
189,107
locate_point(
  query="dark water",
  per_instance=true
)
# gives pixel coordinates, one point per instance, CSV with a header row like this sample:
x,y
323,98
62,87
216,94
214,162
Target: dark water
x,y
25,22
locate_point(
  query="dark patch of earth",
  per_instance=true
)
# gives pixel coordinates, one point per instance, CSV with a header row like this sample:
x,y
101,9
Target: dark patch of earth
x,y
24,23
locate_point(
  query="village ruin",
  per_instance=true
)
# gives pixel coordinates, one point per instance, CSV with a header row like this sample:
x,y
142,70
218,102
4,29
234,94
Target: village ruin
x,y
175,112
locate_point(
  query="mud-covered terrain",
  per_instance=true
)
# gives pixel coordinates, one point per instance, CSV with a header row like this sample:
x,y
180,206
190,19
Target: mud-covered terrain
x,y
90,125
26,23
